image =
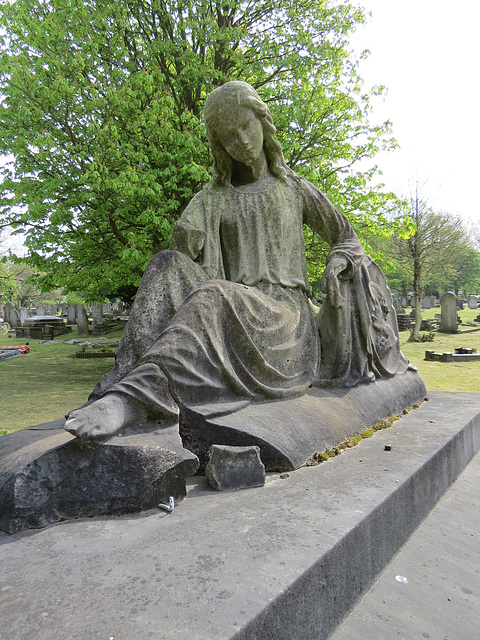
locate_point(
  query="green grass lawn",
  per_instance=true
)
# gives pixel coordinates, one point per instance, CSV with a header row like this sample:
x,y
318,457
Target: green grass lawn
x,y
49,381
445,376
46,383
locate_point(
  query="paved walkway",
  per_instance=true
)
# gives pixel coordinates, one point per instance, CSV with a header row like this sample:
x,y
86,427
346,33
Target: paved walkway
x,y
441,563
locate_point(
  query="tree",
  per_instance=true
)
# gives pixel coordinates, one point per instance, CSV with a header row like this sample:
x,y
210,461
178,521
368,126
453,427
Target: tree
x,y
102,115
432,254
464,272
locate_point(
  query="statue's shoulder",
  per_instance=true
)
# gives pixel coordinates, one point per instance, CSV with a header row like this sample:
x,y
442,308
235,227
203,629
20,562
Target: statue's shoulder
x,y
303,189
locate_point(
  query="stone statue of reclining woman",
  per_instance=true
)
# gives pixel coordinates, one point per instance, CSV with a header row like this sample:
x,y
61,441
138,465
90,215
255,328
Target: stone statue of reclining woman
x,y
227,315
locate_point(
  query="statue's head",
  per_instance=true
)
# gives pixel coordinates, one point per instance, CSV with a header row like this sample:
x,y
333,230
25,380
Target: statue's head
x,y
227,102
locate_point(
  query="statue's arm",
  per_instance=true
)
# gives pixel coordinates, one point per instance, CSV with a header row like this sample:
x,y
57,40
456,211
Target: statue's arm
x,y
189,231
346,251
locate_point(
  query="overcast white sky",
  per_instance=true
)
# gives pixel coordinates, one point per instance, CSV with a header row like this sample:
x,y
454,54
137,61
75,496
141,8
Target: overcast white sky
x,y
426,52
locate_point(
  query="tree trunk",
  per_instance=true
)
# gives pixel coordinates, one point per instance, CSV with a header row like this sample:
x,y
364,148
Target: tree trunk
x,y
417,291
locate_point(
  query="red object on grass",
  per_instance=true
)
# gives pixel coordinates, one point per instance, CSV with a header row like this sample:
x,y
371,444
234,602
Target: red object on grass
x,y
24,348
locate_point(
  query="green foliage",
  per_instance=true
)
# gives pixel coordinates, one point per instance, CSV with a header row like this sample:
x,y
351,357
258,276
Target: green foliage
x,y
15,282
438,256
101,121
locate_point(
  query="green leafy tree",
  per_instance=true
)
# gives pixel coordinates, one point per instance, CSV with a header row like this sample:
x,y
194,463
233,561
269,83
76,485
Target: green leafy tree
x,y
101,116
464,272
431,256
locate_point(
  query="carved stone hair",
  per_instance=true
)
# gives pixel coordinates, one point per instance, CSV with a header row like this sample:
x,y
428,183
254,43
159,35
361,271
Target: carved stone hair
x,y
240,94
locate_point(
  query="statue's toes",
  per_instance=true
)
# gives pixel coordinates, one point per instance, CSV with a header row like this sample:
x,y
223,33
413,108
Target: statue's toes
x,y
72,426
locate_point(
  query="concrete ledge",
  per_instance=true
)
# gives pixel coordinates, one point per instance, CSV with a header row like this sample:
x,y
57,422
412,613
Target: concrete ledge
x,y
285,562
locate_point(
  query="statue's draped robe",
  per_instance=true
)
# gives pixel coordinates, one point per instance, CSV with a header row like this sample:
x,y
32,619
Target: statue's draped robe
x,y
226,315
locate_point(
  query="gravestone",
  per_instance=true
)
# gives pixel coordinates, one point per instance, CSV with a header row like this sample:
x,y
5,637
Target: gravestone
x,y
82,320
71,314
404,302
448,322
472,302
23,315
64,309
433,301
97,317
11,315
426,304
107,308
41,309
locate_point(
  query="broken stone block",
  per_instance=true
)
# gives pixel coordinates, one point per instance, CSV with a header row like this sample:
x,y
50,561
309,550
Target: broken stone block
x,y
231,468
47,476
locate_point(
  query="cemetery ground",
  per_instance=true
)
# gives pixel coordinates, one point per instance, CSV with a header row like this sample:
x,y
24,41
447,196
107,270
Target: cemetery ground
x,y
50,381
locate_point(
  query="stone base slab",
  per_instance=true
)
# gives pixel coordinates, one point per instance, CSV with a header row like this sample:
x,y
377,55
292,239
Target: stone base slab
x,y
286,561
290,432
47,475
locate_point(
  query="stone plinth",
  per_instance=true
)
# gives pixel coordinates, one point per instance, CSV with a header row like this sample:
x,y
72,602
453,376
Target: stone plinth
x,y
46,475
287,561
290,432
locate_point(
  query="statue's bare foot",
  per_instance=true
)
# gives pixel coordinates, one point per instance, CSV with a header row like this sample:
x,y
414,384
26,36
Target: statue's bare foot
x,y
103,418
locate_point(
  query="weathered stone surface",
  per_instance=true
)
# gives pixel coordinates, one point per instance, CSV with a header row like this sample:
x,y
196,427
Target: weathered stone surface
x,y
225,318
47,476
227,314
287,562
448,322
290,432
23,315
231,468
71,314
11,315
82,320
97,317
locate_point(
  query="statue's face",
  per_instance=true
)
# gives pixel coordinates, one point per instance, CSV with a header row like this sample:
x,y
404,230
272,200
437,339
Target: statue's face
x,y
240,133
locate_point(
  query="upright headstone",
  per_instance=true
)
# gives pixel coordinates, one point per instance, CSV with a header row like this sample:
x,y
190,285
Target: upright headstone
x,y
404,302
433,301
71,314
448,322
23,315
107,308
41,309
120,307
11,315
64,309
14,319
82,320
426,302
472,302
97,317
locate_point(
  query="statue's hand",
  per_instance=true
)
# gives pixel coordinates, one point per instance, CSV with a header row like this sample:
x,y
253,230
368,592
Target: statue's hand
x,y
330,283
